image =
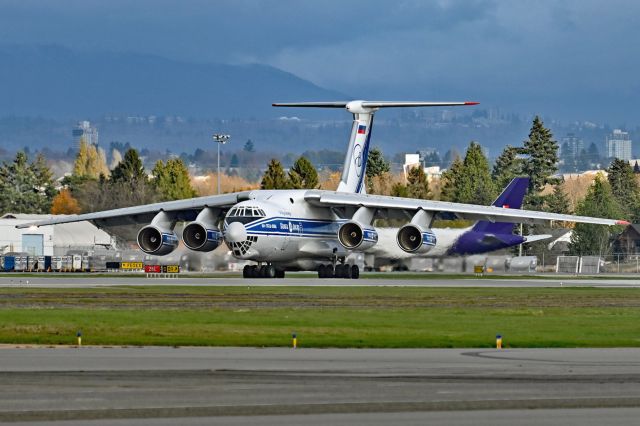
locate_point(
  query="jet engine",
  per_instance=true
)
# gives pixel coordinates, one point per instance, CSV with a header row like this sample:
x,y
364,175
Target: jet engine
x,y
157,240
201,237
414,238
354,235
203,234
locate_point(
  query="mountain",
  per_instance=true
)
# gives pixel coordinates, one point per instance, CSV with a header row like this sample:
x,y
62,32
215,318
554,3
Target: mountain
x,y
55,82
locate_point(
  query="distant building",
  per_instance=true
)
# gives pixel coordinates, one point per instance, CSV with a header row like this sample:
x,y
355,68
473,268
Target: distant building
x,y
413,160
84,130
619,145
571,146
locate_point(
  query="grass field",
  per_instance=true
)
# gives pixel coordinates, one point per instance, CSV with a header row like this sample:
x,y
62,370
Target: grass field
x,y
384,317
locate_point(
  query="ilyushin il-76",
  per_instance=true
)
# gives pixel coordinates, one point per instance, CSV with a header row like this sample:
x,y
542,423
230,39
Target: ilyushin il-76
x,y
312,229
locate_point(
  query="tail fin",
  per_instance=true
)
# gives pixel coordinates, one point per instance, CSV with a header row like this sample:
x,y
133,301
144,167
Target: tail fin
x,y
510,198
355,161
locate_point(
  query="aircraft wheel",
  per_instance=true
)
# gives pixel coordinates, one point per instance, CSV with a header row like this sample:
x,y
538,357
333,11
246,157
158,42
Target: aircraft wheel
x,y
279,273
262,271
346,271
253,271
270,271
339,271
322,272
246,271
355,272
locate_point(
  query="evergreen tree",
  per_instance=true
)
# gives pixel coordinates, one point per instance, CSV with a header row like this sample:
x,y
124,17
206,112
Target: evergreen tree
x,y
417,184
377,165
248,146
624,185
474,185
558,202
129,169
541,162
172,180
235,161
274,177
303,175
636,168
399,190
589,239
449,180
507,167
26,188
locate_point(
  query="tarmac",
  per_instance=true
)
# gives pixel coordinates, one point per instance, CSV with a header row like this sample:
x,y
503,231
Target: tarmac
x,y
396,280
193,386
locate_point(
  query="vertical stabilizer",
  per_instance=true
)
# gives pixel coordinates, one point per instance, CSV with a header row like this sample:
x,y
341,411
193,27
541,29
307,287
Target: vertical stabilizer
x,y
355,161
510,198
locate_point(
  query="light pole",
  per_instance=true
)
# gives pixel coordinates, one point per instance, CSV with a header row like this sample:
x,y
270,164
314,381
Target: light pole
x,y
221,139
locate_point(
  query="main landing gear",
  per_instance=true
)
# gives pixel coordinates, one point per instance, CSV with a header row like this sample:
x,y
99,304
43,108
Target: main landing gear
x,y
339,271
262,271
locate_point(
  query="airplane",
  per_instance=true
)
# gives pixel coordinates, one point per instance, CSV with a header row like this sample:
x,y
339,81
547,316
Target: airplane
x,y
306,229
481,237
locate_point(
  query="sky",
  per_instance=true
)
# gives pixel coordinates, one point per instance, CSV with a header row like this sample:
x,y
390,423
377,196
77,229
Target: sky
x,y
575,59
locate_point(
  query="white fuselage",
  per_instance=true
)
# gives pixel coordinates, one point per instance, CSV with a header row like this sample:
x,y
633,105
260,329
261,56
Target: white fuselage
x,y
280,227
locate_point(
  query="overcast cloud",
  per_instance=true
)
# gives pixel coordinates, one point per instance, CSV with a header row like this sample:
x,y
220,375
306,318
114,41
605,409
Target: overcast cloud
x,y
575,58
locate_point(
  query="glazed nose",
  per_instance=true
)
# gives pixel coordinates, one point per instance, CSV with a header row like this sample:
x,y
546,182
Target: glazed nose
x,y
235,233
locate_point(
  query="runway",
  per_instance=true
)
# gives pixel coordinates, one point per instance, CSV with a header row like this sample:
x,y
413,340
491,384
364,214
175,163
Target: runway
x,y
159,385
397,280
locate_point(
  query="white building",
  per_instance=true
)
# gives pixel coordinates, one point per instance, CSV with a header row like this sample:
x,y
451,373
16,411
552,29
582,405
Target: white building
x,y
413,160
49,240
619,145
84,130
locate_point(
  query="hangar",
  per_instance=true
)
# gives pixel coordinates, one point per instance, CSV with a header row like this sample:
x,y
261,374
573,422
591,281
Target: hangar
x,y
52,240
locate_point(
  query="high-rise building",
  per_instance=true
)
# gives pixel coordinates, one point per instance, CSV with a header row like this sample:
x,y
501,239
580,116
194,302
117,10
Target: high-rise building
x,y
84,130
619,145
571,146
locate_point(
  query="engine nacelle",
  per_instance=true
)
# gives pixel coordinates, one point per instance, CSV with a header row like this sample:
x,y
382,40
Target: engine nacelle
x,y
415,239
156,240
199,236
354,235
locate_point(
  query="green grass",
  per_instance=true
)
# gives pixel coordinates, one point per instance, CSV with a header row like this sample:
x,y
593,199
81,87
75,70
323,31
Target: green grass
x,y
323,316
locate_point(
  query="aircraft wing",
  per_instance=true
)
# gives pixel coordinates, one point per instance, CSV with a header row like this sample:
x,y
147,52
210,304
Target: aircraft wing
x,y
185,210
462,211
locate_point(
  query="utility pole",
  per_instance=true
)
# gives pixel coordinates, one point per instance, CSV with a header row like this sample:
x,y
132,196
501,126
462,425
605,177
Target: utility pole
x,y
221,139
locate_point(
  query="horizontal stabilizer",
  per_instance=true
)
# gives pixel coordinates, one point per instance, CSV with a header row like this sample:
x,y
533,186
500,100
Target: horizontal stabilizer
x,y
534,238
372,104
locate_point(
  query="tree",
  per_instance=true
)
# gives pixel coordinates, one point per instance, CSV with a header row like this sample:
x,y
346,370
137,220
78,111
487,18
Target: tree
x,y
25,187
303,175
636,168
248,146
417,184
474,184
399,190
129,169
116,157
450,179
541,162
558,202
172,180
90,161
377,165
508,166
623,185
274,177
64,203
599,202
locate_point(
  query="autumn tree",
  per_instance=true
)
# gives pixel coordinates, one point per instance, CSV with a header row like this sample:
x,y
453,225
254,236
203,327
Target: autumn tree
x,y
274,177
303,175
90,161
64,203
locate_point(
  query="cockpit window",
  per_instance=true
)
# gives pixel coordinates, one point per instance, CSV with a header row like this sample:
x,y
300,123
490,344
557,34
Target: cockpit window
x,y
244,214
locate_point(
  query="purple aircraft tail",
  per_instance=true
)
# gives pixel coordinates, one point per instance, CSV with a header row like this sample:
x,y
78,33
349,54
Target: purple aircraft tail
x,y
510,198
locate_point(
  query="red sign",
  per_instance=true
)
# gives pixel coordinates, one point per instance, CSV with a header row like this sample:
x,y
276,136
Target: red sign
x,y
152,269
